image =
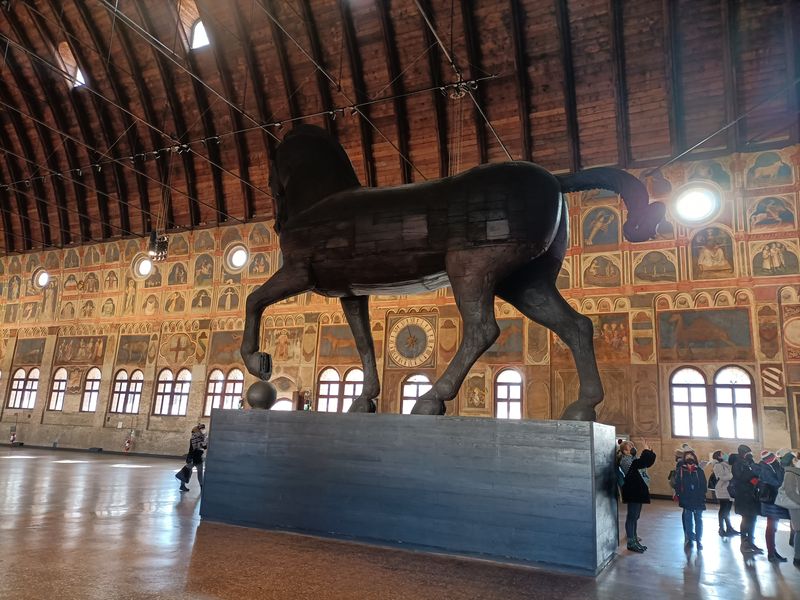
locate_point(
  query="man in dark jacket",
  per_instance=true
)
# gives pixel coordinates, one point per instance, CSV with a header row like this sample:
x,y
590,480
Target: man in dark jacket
x,y
691,488
635,493
746,503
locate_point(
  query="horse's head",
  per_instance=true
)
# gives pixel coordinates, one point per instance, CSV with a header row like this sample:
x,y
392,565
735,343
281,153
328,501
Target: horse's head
x,y
309,165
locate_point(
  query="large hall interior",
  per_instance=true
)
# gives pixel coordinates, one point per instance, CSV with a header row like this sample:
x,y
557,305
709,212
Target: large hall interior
x,y
144,198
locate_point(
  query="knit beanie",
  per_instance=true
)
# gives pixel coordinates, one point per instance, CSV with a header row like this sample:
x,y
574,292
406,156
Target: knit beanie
x,y
767,456
743,449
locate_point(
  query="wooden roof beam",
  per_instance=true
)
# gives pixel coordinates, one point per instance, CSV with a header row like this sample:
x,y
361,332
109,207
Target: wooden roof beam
x,y
570,100
521,68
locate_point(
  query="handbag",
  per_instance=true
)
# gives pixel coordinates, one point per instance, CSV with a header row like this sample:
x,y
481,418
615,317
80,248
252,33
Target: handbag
x,y
784,501
185,473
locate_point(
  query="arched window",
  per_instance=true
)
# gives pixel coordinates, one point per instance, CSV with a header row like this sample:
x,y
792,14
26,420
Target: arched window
x,y
91,390
689,400
199,36
508,395
328,391
353,385
58,390
224,392
733,394
172,393
282,404
413,387
127,393
23,389
73,72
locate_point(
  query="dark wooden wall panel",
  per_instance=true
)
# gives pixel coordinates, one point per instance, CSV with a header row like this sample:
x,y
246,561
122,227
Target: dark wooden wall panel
x,y
458,485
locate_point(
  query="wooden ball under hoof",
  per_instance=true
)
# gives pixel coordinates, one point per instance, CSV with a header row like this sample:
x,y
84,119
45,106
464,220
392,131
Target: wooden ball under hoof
x,y
261,395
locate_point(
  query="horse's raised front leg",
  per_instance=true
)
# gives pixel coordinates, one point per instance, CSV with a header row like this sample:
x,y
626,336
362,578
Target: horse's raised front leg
x,y
533,292
471,277
356,310
286,282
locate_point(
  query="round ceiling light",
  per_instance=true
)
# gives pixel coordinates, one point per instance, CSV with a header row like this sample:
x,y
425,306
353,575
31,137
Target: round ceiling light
x,y
41,278
142,266
236,257
696,204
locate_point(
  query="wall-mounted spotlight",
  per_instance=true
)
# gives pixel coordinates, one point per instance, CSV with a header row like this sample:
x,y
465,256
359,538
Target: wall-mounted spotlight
x,y
696,203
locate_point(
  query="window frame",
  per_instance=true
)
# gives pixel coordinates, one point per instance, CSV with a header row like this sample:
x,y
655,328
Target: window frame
x,y
712,404
126,395
23,390
407,381
91,391
225,395
172,395
508,400
193,34
57,395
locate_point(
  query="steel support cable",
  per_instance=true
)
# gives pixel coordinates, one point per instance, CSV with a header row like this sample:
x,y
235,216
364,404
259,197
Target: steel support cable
x,y
339,89
458,74
148,125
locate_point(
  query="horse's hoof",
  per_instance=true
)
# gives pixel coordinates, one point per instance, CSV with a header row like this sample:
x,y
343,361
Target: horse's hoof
x,y
260,365
363,405
428,407
579,412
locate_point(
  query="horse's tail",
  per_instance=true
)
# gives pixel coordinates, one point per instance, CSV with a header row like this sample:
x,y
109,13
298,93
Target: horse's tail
x,y
643,216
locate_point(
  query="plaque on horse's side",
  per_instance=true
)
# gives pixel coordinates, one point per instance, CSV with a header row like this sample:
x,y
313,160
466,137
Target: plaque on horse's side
x,y
494,230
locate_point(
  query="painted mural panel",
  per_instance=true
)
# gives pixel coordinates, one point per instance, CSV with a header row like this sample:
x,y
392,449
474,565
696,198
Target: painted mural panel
x,y
601,272
336,345
225,347
473,394
178,245
774,259
203,270
710,170
133,349
175,303
611,340
769,170
772,213
284,343
259,265
507,348
29,351
177,275
601,227
655,267
705,335
81,350
712,254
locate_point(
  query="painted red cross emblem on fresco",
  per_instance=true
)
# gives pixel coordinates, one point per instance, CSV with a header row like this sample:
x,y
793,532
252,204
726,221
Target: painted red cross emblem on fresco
x,y
178,346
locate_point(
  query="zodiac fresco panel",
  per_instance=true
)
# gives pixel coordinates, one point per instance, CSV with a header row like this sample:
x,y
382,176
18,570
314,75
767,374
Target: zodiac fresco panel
x,y
705,335
712,254
769,170
83,350
774,259
601,227
772,213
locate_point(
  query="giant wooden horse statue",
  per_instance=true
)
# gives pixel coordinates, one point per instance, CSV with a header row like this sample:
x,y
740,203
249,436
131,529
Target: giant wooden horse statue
x,y
495,230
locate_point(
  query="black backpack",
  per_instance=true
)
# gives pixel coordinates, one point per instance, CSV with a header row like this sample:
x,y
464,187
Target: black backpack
x,y
712,481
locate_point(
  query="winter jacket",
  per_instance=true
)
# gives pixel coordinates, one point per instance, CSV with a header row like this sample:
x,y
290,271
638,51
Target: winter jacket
x,y
791,485
724,475
770,478
744,480
635,487
690,487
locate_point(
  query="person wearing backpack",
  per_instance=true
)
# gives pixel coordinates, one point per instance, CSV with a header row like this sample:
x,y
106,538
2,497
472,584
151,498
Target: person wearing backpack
x,y
746,503
635,489
691,488
770,479
722,474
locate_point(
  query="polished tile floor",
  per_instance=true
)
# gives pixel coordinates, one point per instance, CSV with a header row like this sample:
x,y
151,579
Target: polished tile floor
x,y
91,526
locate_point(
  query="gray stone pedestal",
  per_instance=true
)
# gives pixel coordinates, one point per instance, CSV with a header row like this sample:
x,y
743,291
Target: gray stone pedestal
x,y
533,492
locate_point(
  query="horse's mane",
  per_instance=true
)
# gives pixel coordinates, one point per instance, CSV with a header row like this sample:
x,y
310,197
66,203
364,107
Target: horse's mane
x,y
317,167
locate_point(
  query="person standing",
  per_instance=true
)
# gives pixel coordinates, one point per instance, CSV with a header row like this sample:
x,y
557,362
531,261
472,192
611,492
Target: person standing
x,y
746,502
791,486
724,474
197,446
635,489
691,488
770,478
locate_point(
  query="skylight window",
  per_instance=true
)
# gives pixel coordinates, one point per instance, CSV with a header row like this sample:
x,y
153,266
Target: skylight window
x,y
72,72
199,35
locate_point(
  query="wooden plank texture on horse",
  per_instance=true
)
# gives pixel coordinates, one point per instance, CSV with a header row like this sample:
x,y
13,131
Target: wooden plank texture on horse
x,y
495,230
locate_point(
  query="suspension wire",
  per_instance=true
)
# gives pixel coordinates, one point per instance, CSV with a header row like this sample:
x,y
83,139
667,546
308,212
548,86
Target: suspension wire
x,y
154,154
460,77
169,55
179,148
339,89
14,186
7,233
723,128
148,125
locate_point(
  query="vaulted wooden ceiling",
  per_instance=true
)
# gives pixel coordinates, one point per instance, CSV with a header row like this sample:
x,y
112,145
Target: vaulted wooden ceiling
x,y
165,136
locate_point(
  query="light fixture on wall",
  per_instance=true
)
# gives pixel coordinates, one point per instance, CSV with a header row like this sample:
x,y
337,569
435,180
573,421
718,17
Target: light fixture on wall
x,y
236,257
40,278
696,203
157,246
142,266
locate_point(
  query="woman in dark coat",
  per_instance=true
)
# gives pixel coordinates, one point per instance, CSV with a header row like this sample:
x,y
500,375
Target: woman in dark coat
x,y
635,490
746,503
691,488
770,478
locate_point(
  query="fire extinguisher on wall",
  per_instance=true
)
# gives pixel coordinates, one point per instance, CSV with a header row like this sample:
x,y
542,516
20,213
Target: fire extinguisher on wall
x,y
129,441
13,438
